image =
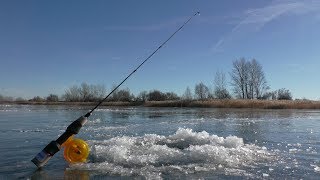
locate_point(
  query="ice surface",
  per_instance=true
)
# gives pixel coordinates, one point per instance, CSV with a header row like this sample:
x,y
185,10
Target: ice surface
x,y
184,152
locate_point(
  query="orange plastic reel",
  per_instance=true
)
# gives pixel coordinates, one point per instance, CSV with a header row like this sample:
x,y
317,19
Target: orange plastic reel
x,y
75,150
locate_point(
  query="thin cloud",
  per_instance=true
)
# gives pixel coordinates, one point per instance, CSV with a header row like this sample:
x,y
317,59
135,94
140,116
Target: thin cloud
x,y
217,46
255,19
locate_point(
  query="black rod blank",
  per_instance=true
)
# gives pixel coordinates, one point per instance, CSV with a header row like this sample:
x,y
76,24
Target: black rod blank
x,y
90,112
54,146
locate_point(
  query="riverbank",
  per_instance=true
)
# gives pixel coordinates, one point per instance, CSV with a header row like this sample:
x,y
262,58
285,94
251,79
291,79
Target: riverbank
x,y
232,103
237,103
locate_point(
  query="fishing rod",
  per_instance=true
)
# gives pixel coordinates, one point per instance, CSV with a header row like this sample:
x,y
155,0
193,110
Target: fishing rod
x,y
78,151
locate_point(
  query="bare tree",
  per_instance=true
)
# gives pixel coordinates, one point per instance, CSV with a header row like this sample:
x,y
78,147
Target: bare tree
x,y
201,91
187,94
156,95
72,94
172,96
239,76
284,94
248,79
37,99
114,96
124,95
52,98
220,88
98,91
85,93
257,82
142,96
268,95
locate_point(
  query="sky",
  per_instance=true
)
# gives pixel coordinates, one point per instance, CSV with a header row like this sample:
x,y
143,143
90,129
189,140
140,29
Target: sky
x,y
48,46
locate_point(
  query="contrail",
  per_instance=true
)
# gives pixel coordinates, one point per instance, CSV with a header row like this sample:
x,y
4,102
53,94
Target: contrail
x,y
257,18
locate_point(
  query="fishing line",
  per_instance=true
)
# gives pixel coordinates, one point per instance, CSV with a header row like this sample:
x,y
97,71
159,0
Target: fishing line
x,y
77,150
90,112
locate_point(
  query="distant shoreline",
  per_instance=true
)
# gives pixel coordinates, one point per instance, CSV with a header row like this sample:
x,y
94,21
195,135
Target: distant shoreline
x,y
230,103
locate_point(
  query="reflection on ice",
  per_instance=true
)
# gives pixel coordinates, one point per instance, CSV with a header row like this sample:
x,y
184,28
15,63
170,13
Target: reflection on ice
x,y
184,152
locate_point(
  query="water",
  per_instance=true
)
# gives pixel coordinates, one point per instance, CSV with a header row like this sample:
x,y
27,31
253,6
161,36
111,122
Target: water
x,y
164,143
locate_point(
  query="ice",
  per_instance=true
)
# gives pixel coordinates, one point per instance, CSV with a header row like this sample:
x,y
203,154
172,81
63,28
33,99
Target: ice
x,y
293,150
316,168
95,121
185,151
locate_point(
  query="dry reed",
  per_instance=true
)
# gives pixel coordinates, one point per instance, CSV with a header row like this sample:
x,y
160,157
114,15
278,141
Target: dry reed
x,y
215,103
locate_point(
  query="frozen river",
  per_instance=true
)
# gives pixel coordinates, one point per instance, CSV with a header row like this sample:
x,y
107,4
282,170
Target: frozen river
x,y
164,143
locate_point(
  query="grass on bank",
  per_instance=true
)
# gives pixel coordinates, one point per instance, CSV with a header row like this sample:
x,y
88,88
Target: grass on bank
x,y
232,103
240,103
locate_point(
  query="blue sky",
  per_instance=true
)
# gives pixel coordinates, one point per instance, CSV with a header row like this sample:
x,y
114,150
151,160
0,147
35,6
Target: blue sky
x,y
47,46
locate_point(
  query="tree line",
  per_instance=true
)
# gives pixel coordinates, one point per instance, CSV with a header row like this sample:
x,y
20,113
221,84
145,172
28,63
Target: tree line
x,y
247,81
